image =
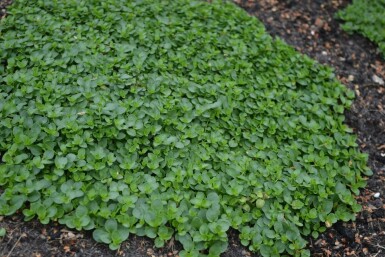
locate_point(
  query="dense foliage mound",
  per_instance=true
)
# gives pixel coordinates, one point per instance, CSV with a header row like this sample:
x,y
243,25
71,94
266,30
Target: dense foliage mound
x,y
170,118
366,17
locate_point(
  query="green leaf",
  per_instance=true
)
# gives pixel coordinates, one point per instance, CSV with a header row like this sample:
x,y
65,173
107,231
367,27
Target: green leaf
x,y
260,203
165,233
2,232
296,204
101,235
81,211
111,225
15,204
213,213
233,143
217,248
159,242
120,235
186,241
61,162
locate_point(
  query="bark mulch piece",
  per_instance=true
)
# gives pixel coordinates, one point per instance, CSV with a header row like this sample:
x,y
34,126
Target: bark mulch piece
x,y
310,27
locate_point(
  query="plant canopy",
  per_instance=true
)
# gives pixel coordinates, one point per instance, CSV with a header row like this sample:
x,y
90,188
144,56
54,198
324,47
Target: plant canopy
x,y
366,17
164,119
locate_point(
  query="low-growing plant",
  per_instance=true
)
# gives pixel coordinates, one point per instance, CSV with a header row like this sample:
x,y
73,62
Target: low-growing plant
x,y
171,119
366,18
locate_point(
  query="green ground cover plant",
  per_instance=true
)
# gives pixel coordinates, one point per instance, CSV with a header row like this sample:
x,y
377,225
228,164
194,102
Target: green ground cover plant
x,y
366,17
171,119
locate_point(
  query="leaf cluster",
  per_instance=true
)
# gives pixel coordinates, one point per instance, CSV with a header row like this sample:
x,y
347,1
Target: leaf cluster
x,y
366,18
171,119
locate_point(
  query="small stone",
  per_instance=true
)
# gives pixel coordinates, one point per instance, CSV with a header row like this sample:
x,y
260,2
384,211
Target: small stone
x,y
376,195
350,78
378,80
150,252
71,235
319,22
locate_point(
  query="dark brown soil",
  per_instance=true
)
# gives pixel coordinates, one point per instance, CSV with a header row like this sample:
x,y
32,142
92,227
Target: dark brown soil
x,y
309,26
3,4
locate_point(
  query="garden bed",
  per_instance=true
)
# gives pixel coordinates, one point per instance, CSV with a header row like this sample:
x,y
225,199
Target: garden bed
x,y
311,28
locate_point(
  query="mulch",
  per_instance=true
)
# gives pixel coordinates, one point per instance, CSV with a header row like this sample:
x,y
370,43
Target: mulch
x,y
3,5
310,27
